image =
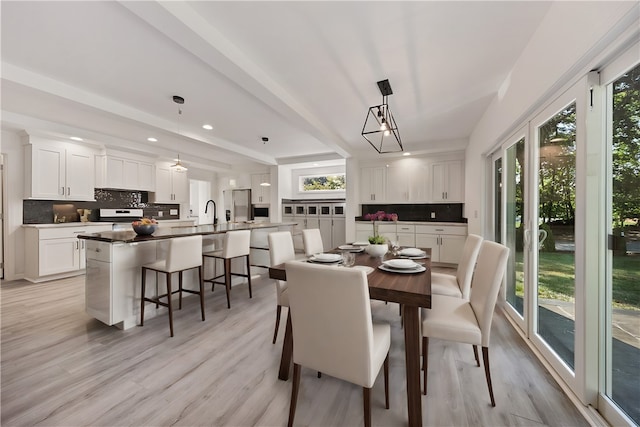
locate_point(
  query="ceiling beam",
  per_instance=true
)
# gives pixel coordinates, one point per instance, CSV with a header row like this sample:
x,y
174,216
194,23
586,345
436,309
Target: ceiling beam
x,y
181,23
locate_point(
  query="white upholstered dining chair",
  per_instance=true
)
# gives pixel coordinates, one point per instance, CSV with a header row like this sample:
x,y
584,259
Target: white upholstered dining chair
x,y
280,250
456,319
332,329
312,241
459,285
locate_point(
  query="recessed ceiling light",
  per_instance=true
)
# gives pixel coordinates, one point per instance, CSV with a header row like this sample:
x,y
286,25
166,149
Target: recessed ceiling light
x,y
406,154
152,139
75,138
316,164
207,127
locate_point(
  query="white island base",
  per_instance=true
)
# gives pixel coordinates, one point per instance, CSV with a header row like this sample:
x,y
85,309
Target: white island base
x,y
114,274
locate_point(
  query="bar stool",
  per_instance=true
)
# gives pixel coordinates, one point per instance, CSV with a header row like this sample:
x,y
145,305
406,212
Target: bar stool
x,y
183,254
236,245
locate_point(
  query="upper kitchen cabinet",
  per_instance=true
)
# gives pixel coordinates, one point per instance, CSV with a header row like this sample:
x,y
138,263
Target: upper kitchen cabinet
x,y
372,184
407,182
58,171
260,194
447,180
124,173
172,185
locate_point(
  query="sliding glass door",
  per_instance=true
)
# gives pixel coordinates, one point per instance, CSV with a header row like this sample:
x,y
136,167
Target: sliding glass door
x,y
556,216
622,356
566,193
515,217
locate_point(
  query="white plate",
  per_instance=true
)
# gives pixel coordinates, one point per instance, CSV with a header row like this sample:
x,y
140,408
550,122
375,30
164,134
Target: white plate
x,y
351,248
326,258
363,243
420,269
400,263
412,252
423,256
364,268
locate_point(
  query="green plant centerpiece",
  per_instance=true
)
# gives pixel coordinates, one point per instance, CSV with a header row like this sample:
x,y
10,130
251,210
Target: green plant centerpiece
x,y
377,240
378,244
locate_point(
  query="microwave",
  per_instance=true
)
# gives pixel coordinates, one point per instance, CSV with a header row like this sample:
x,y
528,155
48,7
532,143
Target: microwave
x,y
260,212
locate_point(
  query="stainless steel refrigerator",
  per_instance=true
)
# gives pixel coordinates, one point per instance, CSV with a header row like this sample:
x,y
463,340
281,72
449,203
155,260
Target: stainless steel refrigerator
x,y
237,205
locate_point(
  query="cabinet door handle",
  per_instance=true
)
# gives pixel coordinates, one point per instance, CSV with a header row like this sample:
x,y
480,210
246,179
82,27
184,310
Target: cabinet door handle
x,y
62,190
68,191
77,247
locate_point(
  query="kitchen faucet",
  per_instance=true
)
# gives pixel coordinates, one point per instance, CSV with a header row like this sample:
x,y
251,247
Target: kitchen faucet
x,y
215,218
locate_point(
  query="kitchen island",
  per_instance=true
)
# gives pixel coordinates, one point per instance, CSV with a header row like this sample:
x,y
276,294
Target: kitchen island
x,y
115,259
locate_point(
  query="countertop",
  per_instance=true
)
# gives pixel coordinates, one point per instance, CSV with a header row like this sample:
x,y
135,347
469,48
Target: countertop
x,y
129,236
96,223
441,223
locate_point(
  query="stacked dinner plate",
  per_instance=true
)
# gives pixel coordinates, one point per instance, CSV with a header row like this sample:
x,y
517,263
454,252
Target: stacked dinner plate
x,y
325,258
401,266
413,253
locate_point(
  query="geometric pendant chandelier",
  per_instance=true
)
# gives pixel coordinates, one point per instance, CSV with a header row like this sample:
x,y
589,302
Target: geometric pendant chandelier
x,y
380,128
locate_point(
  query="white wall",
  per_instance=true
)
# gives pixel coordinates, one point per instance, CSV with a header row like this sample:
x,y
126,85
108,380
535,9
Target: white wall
x,y
14,185
565,47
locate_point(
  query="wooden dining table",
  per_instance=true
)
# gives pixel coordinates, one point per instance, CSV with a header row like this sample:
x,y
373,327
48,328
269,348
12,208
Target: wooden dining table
x,y
411,290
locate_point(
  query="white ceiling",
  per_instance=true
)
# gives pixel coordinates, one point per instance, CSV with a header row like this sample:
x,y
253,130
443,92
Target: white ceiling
x,y
301,73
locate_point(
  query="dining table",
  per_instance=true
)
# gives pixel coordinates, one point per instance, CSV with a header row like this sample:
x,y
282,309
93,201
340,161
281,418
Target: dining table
x,y
411,290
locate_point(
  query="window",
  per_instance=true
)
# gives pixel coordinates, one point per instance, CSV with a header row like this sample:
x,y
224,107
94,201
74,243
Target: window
x,y
322,182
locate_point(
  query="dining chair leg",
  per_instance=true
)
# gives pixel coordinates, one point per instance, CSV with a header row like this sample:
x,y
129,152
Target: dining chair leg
x,y
144,285
249,275
201,282
294,393
485,358
475,353
169,303
180,290
425,361
366,399
386,381
275,333
227,280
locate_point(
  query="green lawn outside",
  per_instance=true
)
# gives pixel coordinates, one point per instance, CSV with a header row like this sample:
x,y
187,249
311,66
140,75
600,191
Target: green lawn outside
x,y
556,278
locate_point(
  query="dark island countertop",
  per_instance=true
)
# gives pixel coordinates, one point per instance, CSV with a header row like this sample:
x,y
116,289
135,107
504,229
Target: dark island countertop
x,y
129,236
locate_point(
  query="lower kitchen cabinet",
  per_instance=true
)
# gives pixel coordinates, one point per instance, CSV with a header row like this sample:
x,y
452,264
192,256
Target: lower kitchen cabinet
x,y
56,252
333,232
446,242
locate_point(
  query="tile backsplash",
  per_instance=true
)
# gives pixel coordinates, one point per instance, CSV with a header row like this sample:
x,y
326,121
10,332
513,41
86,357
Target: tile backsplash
x,y
446,212
47,211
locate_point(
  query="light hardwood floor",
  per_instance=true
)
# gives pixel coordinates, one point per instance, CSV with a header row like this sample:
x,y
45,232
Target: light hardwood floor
x,y
60,367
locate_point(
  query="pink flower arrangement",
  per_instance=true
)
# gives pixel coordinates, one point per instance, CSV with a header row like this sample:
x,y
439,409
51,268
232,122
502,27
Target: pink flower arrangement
x,y
381,216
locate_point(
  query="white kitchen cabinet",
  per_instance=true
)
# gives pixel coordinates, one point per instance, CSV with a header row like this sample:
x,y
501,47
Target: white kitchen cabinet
x,y
372,184
446,241
338,232
260,194
363,231
59,171
326,232
56,252
406,234
447,181
406,182
172,186
128,174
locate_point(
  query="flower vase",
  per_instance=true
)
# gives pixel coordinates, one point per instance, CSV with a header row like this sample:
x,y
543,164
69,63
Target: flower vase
x,y
377,250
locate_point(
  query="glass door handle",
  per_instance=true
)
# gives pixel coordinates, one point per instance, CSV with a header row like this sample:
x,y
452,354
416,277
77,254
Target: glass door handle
x,y
542,236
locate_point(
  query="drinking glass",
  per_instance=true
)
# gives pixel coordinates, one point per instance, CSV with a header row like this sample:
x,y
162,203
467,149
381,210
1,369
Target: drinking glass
x,y
348,259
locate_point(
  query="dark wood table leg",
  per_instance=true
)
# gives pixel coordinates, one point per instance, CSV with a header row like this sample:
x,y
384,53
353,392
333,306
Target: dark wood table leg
x,y
412,357
287,352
